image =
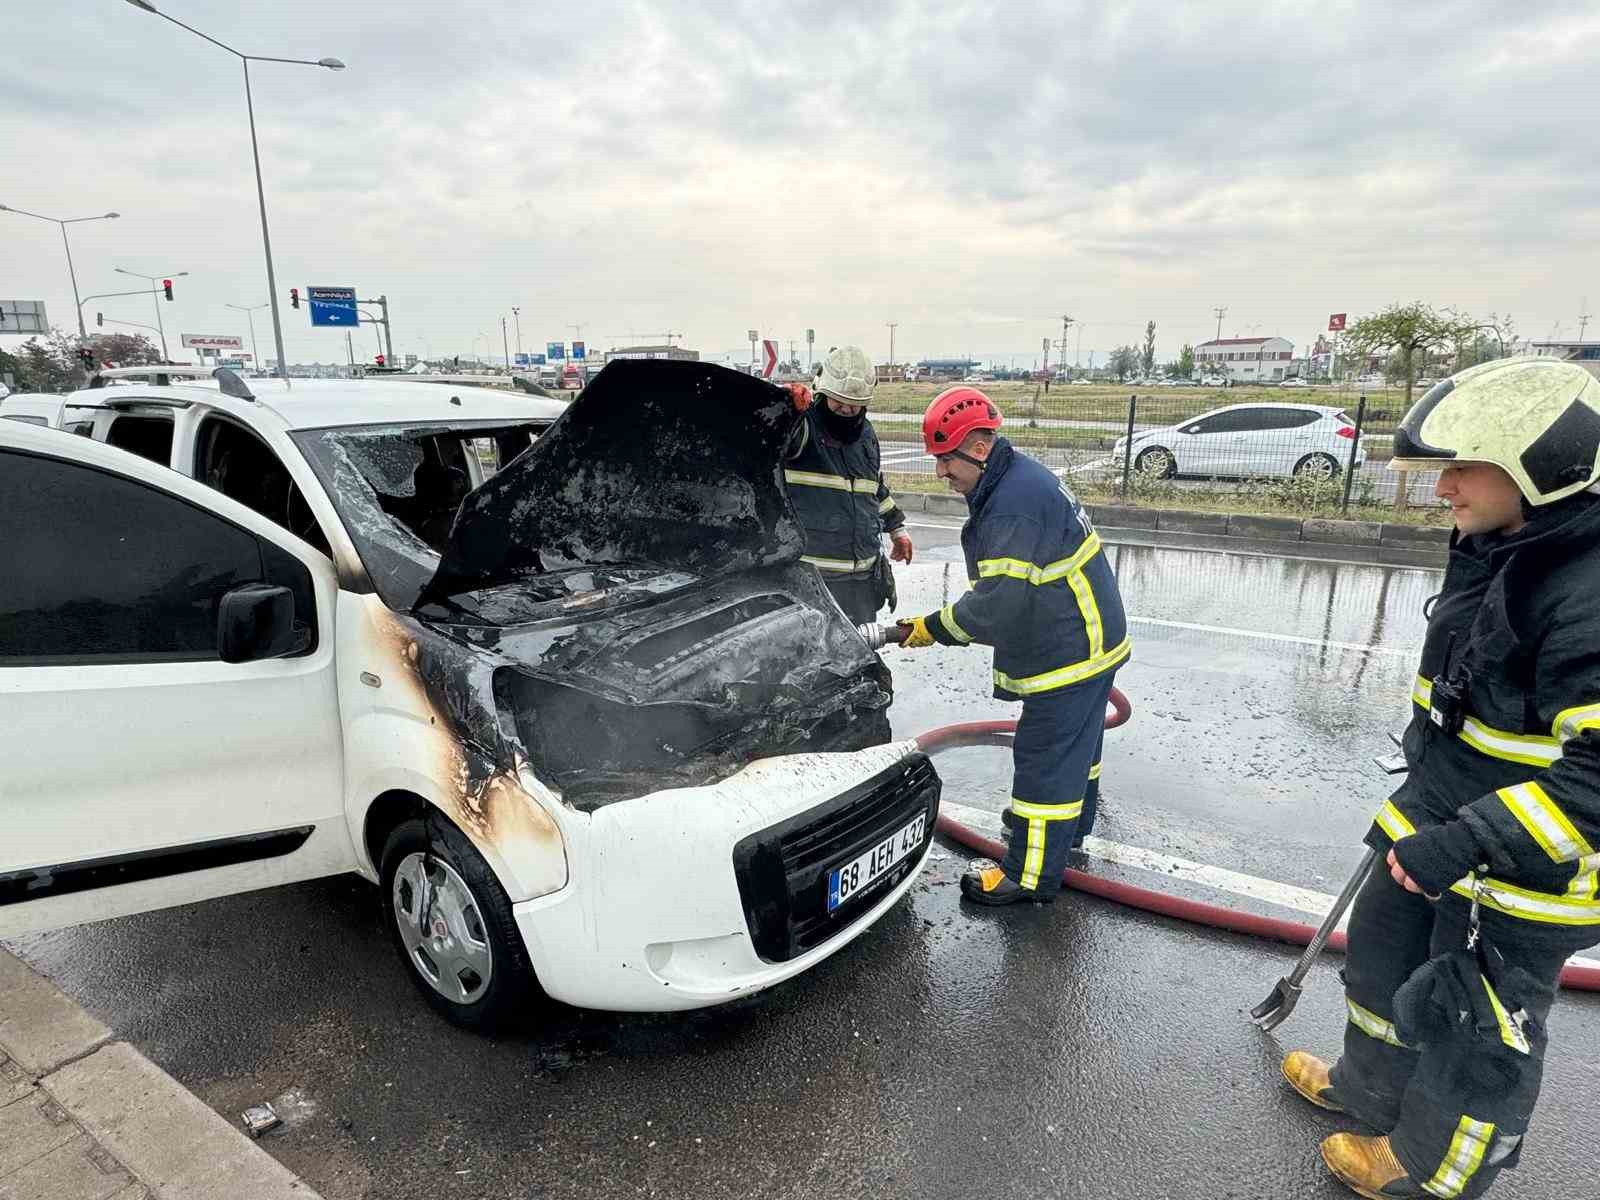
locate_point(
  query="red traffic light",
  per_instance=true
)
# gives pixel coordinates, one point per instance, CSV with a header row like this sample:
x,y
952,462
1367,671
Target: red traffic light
x,y
294,297
166,286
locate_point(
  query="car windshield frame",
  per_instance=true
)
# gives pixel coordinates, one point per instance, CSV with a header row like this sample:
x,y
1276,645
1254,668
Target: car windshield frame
x,y
398,562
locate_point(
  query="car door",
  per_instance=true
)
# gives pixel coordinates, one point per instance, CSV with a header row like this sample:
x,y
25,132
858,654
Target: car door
x,y
1206,445
140,770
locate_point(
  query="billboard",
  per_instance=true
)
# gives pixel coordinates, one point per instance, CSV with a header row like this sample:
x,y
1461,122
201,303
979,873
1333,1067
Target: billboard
x,y
578,350
555,351
212,341
1336,322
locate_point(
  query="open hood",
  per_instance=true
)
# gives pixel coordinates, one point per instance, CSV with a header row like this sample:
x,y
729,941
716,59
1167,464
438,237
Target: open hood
x,y
671,464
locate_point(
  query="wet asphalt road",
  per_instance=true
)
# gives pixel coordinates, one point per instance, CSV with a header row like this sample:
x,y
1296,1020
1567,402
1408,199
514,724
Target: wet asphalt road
x,y
1075,1050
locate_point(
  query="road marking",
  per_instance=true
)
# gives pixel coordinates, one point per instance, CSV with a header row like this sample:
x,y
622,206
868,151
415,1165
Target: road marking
x,y
1236,883
1294,639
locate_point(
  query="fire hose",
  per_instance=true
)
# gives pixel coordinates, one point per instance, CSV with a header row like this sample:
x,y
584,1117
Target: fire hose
x,y
999,733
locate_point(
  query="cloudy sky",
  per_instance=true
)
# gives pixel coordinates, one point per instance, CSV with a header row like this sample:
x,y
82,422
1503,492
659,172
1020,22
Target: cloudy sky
x,y
969,171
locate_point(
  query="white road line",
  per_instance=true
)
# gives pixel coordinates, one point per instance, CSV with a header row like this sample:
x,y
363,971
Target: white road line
x,y
1401,651
1284,895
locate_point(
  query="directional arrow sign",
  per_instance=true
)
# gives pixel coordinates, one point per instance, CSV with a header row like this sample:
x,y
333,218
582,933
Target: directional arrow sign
x,y
770,350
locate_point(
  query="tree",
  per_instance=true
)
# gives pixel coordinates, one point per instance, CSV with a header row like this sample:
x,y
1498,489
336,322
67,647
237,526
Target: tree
x,y
124,349
51,365
1124,362
1184,367
1148,358
1409,331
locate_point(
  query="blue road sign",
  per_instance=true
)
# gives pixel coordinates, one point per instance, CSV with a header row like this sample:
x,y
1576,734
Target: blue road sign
x,y
577,350
555,350
521,360
536,360
333,306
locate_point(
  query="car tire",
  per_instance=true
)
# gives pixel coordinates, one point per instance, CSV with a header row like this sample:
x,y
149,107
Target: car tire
x,y
1157,462
1317,466
470,964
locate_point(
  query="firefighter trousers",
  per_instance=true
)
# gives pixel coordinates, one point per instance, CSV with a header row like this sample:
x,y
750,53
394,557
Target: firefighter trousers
x,y
859,595
1057,743
1455,1111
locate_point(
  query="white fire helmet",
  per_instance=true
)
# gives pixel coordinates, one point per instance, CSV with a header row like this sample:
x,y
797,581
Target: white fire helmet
x,y
847,374
1537,419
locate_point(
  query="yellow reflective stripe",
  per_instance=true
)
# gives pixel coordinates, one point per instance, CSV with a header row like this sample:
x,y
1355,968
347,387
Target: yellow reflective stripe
x,y
1510,1031
1393,822
1530,749
1033,857
1047,812
844,565
1570,722
1031,685
947,618
1094,771
1462,1160
1371,1024
1586,883
885,504
1021,568
824,480
1545,822
1089,610
1546,908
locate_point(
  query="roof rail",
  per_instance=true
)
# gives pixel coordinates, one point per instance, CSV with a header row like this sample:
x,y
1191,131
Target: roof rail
x,y
161,374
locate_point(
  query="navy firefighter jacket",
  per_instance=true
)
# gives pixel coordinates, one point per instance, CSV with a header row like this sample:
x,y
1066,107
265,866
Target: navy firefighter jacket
x,y
1043,594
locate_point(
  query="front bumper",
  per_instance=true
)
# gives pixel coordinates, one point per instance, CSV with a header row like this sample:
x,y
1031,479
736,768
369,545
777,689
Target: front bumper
x,y
654,917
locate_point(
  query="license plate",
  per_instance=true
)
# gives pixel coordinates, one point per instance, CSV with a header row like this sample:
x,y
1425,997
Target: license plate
x,y
847,879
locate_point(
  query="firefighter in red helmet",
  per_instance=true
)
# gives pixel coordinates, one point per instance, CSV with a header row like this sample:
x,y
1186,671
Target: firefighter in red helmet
x,y
1045,597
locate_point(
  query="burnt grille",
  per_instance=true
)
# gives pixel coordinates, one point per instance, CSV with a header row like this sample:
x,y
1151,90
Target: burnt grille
x,y
783,870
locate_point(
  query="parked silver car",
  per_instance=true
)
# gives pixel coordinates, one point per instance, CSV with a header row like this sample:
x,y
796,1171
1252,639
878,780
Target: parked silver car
x,y
1249,441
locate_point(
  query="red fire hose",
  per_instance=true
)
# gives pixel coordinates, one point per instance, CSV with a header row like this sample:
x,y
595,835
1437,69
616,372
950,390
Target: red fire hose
x,y
999,733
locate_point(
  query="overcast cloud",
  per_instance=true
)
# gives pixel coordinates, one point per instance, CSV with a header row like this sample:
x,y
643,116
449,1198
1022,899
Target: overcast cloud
x,y
970,171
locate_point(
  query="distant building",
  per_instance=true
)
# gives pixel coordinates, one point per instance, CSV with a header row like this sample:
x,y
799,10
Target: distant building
x,y
1585,354
1245,360
669,352
891,372
946,368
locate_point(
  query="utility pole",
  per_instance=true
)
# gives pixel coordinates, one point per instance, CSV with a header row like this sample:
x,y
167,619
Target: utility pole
x,y
1219,313
892,326
1066,323
388,333
516,315
1583,317
505,344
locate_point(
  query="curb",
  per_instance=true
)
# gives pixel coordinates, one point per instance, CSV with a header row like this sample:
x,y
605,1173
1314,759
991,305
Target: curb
x,y
82,1114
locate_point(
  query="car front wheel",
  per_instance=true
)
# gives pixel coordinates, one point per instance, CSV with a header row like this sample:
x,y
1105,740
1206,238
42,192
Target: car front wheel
x,y
1317,466
451,921
1156,462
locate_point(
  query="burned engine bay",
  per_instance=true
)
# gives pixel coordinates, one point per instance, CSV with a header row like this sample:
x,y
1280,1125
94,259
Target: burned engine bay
x,y
622,605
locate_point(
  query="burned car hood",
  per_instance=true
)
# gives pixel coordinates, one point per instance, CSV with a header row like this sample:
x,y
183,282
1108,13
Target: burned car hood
x,y
669,464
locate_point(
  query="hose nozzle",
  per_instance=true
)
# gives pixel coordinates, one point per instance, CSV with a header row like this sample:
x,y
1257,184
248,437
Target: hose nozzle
x,y
879,636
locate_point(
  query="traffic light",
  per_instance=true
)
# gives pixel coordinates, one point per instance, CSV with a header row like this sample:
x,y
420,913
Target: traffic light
x,y
294,297
86,357
379,359
166,286
100,319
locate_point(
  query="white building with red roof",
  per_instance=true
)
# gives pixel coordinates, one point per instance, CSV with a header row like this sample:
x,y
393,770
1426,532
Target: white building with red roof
x,y
1245,360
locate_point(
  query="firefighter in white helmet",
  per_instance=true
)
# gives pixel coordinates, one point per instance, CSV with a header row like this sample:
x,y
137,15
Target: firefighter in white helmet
x,y
835,480
1493,840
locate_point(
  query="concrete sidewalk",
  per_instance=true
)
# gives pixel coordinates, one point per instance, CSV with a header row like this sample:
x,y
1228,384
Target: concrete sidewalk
x,y
86,1117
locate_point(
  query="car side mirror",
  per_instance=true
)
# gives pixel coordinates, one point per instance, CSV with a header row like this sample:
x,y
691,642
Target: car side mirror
x,y
256,621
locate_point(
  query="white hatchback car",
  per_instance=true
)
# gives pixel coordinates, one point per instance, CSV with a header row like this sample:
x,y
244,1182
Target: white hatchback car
x,y
1249,441
552,676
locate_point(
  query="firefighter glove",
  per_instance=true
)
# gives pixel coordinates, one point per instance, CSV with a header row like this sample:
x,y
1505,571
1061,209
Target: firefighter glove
x,y
919,635
800,396
1438,855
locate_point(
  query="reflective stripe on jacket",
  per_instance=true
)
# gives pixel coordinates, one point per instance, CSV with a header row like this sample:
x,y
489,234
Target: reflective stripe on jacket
x,y
1517,628
1043,594
840,497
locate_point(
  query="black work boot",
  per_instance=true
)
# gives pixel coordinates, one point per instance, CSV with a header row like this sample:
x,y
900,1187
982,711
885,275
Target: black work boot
x,y
985,883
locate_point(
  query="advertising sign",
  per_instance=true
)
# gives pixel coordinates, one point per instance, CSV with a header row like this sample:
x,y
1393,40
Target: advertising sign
x,y
577,350
333,306
1336,322
555,351
212,341
536,360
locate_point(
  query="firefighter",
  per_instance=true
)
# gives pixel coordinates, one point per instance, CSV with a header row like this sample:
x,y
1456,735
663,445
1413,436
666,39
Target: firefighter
x,y
1456,942
1046,599
836,483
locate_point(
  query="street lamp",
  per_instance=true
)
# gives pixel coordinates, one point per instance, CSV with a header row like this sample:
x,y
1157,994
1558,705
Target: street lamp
x,y
64,222
333,64
249,310
157,300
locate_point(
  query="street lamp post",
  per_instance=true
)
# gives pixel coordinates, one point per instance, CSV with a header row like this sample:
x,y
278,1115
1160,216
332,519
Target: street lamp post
x,y
333,64
250,313
516,315
151,279
71,272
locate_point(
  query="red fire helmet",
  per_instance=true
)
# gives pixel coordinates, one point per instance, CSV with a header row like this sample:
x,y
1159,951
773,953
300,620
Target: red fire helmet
x,y
954,413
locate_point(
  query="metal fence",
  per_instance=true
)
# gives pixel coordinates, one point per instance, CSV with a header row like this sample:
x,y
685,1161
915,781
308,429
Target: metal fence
x,y
1298,451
